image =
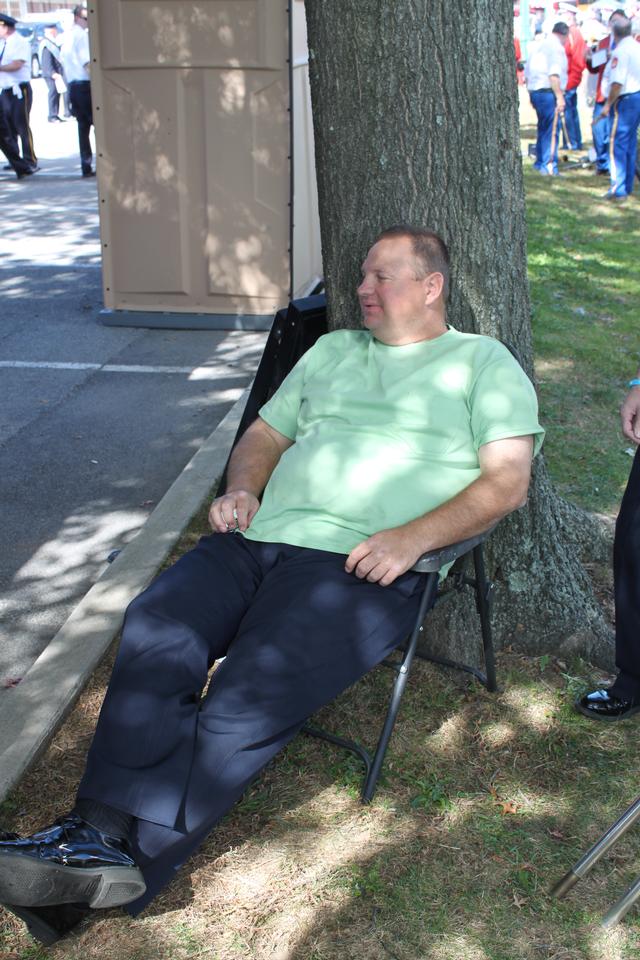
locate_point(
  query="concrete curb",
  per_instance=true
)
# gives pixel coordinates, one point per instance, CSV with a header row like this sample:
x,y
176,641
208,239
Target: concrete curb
x,y
31,712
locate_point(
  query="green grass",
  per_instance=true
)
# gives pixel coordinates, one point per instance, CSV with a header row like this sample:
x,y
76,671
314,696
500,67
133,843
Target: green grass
x,y
585,287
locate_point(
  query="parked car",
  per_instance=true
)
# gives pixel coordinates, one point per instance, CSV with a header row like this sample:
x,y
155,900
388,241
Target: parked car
x,y
34,32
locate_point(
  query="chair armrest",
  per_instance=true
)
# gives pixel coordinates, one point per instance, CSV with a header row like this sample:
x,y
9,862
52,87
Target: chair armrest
x,y
432,561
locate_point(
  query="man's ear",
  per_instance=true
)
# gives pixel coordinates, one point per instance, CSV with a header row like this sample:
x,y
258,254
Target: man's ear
x,y
433,287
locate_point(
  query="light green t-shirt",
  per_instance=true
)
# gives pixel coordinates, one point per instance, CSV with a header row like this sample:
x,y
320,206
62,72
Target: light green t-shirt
x,y
384,434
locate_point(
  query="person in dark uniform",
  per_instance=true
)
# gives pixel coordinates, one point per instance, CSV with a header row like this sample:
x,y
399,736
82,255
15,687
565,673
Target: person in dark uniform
x,y
51,70
75,57
16,94
622,698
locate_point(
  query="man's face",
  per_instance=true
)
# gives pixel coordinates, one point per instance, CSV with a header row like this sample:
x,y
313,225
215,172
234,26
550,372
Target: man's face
x,y
392,295
4,30
82,18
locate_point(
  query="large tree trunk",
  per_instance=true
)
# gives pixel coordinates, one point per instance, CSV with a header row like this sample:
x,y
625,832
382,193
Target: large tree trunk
x,y
416,120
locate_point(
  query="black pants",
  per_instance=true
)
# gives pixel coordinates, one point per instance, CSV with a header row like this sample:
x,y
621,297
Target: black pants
x,y
626,574
9,146
295,630
82,110
16,111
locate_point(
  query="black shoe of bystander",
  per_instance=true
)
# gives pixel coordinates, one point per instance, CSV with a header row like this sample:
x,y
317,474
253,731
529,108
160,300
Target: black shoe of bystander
x,y
604,705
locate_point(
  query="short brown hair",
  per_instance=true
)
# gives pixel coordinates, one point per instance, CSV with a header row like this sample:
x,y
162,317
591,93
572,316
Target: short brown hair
x,y
429,249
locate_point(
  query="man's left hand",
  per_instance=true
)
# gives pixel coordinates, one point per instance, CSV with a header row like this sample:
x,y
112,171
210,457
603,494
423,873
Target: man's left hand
x,y
384,556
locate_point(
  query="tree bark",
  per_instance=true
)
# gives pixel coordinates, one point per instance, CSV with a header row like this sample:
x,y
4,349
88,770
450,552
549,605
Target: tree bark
x,y
416,120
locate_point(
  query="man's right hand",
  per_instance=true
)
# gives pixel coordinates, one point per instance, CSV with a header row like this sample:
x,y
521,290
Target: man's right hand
x,y
233,511
630,415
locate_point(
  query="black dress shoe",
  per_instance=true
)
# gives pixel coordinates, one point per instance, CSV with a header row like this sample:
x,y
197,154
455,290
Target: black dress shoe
x,y
50,924
68,862
604,705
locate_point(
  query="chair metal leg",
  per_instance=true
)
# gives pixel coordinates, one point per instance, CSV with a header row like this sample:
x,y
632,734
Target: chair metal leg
x,y
483,591
483,588
426,603
600,847
349,745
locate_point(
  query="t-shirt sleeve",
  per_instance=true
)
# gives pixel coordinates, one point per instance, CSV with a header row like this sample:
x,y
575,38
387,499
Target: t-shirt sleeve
x,y
619,65
556,63
502,400
281,411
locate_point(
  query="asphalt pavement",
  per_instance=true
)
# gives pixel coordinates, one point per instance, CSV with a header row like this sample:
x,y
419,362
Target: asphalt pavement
x,y
96,422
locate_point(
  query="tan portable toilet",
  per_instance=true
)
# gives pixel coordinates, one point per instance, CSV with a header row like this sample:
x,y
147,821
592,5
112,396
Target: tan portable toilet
x,y
206,174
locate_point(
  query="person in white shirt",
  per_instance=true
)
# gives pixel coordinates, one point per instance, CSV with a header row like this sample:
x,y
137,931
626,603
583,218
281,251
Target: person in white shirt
x,y
546,79
16,95
623,105
75,57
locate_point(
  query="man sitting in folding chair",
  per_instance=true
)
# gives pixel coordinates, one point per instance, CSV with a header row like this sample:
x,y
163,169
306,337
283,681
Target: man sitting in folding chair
x,y
380,445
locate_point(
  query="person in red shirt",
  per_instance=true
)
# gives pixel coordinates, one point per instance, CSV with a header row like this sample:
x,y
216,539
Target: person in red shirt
x,y
601,129
575,50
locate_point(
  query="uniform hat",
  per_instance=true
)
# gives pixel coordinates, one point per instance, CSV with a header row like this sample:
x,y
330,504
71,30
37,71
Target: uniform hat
x,y
566,6
7,20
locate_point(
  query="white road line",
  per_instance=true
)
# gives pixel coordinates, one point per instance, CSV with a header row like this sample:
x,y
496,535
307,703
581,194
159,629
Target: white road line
x,y
194,373
10,262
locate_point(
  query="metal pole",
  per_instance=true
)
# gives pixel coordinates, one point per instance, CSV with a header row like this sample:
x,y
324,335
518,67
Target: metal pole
x,y
626,901
591,857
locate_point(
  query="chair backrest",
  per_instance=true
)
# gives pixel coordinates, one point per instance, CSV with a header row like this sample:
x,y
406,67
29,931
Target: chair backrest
x,y
294,330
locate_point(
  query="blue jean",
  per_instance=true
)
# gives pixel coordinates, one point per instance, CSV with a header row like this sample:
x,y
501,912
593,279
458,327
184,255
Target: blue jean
x,y
295,630
544,104
601,138
623,143
572,120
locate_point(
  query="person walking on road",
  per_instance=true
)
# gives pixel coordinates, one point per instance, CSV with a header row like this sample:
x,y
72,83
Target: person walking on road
x,y
51,70
74,53
16,95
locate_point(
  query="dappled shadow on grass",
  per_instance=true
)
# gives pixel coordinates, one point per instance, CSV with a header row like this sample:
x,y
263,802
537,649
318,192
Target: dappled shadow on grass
x,y
486,800
584,286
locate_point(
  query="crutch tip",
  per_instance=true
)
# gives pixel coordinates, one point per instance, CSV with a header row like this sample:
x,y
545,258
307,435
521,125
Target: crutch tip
x,y
562,887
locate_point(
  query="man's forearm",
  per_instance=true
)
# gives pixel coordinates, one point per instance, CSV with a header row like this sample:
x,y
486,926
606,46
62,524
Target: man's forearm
x,y
12,67
475,509
253,460
557,90
614,93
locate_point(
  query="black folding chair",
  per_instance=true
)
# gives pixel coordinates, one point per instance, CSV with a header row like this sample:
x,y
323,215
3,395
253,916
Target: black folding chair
x,y
591,857
429,564
294,331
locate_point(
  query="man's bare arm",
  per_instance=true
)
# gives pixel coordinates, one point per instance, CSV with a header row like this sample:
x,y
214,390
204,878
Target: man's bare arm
x,y
12,66
554,80
502,486
614,92
252,463
630,414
